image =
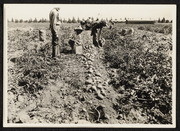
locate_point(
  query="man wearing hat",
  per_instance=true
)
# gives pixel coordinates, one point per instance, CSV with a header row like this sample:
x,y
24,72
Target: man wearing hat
x,y
96,29
54,27
75,39
96,32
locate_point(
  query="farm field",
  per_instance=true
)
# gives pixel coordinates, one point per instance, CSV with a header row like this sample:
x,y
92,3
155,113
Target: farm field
x,y
127,81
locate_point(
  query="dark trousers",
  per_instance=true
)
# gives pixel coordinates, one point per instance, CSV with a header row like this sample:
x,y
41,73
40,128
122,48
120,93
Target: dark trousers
x,y
96,33
72,44
55,43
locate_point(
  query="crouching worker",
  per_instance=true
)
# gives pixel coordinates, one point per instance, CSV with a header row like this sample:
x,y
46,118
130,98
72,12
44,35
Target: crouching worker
x,y
54,27
75,41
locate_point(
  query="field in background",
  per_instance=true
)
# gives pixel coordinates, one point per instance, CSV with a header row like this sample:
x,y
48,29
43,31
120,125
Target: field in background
x,y
158,27
135,72
35,25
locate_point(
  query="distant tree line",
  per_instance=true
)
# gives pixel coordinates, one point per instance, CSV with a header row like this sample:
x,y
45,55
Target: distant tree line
x,y
29,21
73,20
163,20
43,20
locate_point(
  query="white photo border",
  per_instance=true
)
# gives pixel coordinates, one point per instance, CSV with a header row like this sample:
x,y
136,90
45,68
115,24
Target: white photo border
x,y
5,84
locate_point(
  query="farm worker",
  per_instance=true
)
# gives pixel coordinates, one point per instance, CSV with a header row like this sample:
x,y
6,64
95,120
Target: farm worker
x,y
89,20
54,27
96,32
76,38
96,28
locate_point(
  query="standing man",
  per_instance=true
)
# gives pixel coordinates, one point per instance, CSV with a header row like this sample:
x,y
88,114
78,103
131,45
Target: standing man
x,y
54,27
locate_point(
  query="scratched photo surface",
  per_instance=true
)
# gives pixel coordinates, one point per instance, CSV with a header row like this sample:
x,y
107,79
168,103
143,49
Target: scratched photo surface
x,y
86,65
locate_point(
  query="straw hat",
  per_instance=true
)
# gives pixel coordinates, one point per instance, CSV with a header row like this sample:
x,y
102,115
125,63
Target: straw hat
x,y
79,28
58,23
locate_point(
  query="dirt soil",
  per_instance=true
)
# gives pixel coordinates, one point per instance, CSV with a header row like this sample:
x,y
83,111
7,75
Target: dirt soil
x,y
69,89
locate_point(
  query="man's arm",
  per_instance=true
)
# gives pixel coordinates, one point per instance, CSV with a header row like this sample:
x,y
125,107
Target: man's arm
x,y
99,34
76,39
58,19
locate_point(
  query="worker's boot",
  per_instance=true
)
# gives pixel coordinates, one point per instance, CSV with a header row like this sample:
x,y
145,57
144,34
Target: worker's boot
x,y
96,43
100,43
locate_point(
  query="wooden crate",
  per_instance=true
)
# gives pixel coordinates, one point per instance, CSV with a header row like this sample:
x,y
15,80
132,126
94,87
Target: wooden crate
x,y
78,50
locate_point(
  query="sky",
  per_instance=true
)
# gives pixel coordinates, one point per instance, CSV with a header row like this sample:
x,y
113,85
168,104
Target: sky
x,y
114,11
